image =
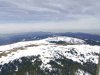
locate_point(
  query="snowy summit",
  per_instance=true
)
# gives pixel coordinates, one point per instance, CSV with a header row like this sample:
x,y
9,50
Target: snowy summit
x,y
49,50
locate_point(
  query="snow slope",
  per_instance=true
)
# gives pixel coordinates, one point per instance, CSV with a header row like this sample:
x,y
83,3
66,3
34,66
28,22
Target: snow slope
x,y
49,51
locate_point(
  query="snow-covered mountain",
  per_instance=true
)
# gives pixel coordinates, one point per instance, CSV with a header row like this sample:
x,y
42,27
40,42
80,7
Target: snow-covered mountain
x,y
67,40
50,52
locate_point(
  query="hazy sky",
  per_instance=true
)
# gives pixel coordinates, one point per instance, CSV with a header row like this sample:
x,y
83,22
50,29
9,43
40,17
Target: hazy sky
x,y
49,15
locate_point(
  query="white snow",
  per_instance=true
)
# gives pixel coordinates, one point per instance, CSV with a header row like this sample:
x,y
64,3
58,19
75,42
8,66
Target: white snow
x,y
81,72
49,51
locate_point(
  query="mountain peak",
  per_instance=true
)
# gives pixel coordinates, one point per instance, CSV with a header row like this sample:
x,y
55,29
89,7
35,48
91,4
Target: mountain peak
x,y
68,40
48,51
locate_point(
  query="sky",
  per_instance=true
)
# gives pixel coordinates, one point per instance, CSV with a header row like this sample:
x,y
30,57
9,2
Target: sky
x,y
49,15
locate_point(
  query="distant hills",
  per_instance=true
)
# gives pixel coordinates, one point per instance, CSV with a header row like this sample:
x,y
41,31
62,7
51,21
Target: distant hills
x,y
13,38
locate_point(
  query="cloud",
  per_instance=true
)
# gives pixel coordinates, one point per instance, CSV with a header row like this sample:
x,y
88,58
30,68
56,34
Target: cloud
x,y
49,15
84,24
47,9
